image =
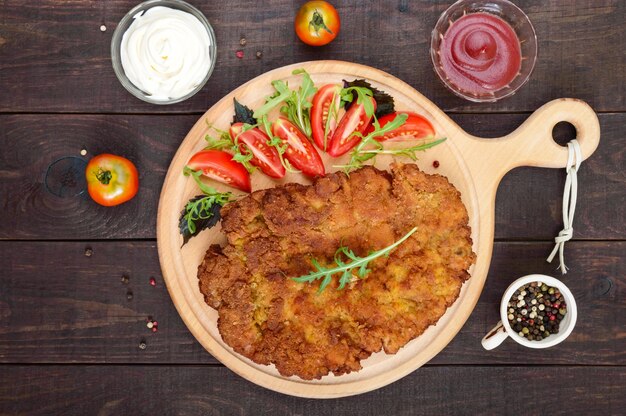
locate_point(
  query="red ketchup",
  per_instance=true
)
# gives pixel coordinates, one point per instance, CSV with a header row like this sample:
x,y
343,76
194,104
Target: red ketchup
x,y
480,53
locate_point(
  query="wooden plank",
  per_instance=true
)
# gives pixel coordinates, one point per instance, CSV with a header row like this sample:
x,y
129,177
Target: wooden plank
x,y
528,203
58,306
112,390
31,142
53,56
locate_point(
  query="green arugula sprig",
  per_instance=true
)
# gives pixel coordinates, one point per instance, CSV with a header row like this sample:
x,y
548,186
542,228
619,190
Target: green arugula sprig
x,y
361,153
358,155
225,142
222,141
202,211
363,95
297,109
347,270
407,151
384,102
296,102
218,143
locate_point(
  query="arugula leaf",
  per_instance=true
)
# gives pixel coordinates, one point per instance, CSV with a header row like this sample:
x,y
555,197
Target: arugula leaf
x,y
208,190
243,114
296,102
362,94
202,211
244,158
297,106
218,143
384,101
407,151
360,154
282,93
357,265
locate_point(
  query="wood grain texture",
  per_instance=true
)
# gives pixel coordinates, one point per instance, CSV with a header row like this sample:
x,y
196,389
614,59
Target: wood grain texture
x,y
59,307
166,390
528,204
46,43
82,314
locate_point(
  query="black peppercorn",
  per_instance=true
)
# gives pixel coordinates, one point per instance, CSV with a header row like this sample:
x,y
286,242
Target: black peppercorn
x,y
535,311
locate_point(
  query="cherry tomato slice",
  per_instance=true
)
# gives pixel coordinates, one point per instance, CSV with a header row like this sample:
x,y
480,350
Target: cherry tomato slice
x,y
220,166
300,151
416,127
265,157
111,180
344,139
317,23
321,110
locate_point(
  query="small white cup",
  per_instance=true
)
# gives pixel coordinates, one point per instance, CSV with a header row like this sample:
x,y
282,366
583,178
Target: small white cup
x,y
503,329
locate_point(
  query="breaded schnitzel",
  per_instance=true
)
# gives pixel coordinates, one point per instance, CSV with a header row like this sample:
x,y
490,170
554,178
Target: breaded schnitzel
x,y
272,236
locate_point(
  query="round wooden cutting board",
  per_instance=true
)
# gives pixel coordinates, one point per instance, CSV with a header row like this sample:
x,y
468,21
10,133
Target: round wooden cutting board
x,y
475,166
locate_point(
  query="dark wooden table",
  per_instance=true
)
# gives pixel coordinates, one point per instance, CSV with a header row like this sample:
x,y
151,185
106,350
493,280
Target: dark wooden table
x,y
70,335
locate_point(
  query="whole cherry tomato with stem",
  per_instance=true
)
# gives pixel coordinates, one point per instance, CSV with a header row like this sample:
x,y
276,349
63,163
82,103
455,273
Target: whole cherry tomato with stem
x,y
317,23
111,179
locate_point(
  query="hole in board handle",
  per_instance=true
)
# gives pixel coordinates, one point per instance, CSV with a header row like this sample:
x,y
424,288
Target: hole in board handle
x,y
563,132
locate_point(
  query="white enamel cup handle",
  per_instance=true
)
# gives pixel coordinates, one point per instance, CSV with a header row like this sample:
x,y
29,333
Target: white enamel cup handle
x,y
495,337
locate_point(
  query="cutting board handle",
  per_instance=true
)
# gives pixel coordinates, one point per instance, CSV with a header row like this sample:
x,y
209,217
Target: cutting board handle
x,y
532,144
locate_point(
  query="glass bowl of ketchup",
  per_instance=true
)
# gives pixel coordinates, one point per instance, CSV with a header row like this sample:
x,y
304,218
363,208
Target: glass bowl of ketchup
x,y
483,50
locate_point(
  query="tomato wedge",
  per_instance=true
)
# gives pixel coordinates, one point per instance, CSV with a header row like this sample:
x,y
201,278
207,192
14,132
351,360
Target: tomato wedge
x,y
355,120
415,126
300,151
265,157
320,112
220,166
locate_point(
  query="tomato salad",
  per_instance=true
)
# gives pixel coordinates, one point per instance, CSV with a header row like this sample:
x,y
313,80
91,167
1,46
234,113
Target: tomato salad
x,y
353,118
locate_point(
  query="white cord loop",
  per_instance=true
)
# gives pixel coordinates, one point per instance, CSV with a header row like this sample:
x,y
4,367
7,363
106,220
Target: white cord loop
x,y
569,203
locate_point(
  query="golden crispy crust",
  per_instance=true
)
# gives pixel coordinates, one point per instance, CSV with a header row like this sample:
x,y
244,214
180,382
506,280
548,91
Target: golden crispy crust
x,y
272,236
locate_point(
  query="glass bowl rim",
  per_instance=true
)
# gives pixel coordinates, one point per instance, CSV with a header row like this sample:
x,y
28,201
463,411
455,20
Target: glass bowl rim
x,y
451,87
116,42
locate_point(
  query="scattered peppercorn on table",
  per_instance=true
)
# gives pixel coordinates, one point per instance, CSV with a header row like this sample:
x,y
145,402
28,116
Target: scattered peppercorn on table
x,y
86,322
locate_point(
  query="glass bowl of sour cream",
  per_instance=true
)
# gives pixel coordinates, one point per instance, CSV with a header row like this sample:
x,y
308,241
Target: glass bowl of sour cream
x,y
163,51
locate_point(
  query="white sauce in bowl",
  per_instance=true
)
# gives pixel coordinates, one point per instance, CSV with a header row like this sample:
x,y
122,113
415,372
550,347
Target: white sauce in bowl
x,y
165,52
